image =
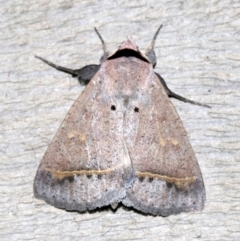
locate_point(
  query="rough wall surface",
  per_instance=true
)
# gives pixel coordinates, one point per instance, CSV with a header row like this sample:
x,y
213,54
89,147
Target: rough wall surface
x,y
198,56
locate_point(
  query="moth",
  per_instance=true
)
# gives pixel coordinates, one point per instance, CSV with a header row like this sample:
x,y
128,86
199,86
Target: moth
x,y
122,141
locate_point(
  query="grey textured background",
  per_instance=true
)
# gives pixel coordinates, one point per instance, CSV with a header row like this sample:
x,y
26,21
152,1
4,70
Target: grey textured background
x,y
198,53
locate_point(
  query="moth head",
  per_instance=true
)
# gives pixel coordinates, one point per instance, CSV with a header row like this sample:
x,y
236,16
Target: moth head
x,y
129,48
128,44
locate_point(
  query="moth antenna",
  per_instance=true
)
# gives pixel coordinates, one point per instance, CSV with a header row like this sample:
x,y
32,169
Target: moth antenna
x,y
105,54
102,41
150,53
151,47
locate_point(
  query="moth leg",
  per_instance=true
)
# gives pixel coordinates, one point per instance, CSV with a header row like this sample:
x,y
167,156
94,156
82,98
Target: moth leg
x,y
84,75
150,53
176,96
105,52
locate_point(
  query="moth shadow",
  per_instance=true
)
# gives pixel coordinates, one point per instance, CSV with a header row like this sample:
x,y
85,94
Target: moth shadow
x,y
110,209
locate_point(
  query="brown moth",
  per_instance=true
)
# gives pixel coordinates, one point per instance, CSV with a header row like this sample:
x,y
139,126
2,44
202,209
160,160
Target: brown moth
x,y
121,142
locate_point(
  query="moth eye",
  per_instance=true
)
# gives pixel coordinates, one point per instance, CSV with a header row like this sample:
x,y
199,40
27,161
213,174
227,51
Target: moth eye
x,y
113,107
136,109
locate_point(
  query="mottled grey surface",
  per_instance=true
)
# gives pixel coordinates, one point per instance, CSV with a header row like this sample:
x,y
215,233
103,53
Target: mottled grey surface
x,y
198,56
